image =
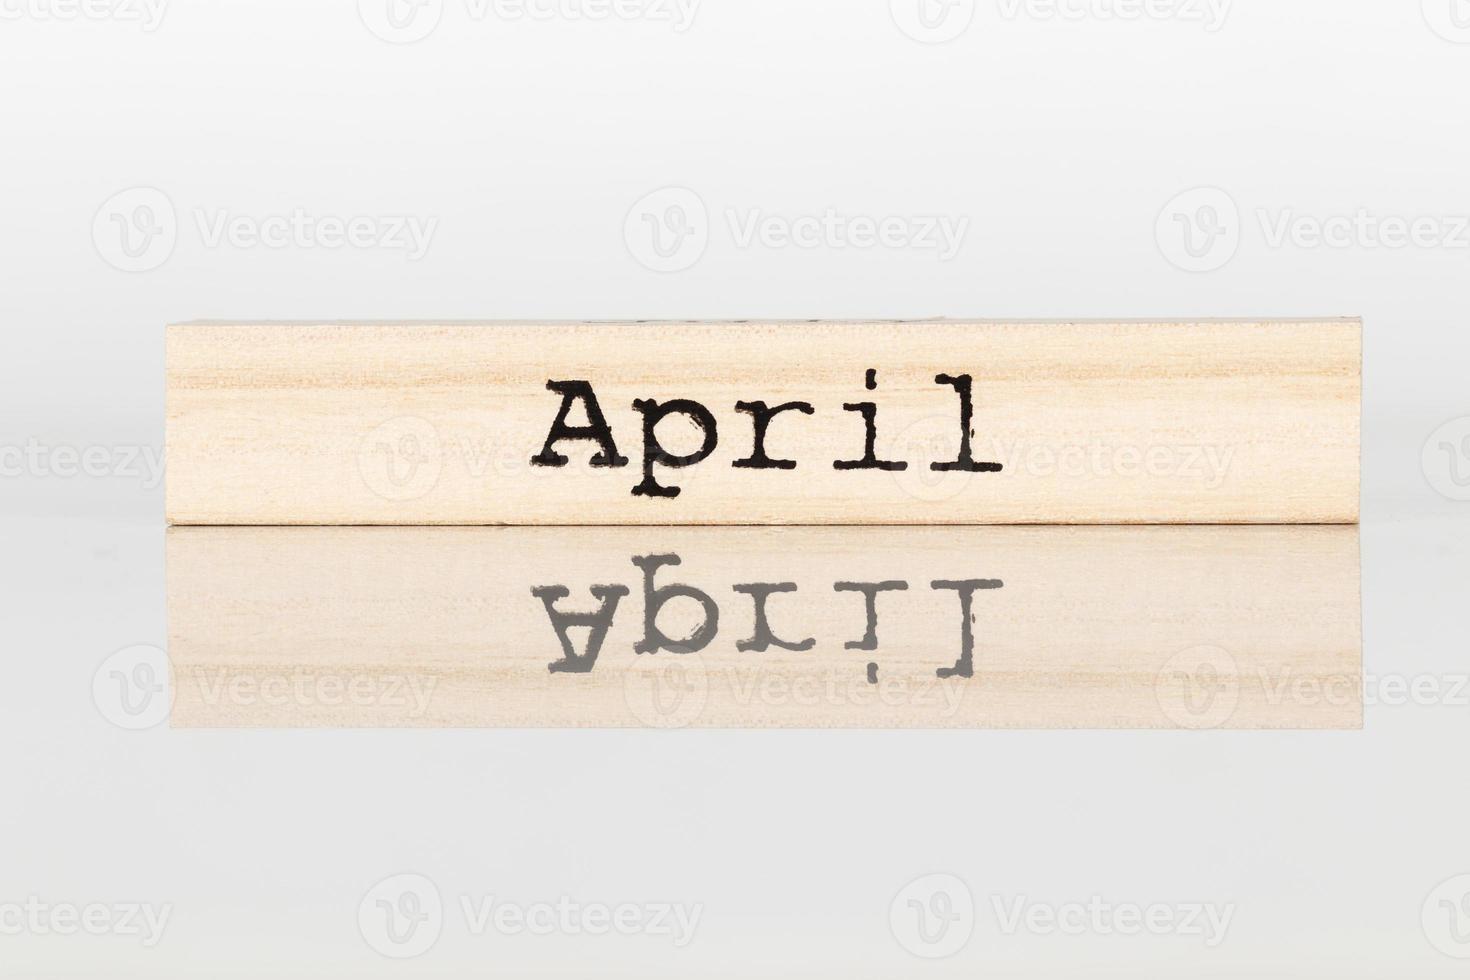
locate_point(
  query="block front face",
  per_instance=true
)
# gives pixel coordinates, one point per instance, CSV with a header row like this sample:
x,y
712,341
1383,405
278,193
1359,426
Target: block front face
x,y
737,423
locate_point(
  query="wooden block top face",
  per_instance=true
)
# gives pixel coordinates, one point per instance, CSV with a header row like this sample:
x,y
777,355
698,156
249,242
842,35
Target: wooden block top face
x,y
933,422
978,627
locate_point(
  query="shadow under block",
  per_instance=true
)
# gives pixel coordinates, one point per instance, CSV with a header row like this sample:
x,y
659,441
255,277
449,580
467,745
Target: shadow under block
x,y
928,422
972,627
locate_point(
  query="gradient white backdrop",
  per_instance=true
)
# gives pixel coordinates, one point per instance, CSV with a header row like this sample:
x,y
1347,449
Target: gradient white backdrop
x,y
176,159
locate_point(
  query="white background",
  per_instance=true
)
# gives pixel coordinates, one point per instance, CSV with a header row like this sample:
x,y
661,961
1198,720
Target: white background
x,y
1064,138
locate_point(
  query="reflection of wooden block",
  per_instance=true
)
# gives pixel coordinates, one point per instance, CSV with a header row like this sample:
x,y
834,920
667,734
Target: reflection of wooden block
x,y
971,422
1102,627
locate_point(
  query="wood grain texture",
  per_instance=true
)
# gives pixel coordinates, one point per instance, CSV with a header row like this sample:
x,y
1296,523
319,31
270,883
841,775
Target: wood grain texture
x,y
1078,627
1091,422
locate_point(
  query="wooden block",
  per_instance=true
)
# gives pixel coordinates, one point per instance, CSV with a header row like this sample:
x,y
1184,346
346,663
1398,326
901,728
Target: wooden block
x,y
942,422
974,627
